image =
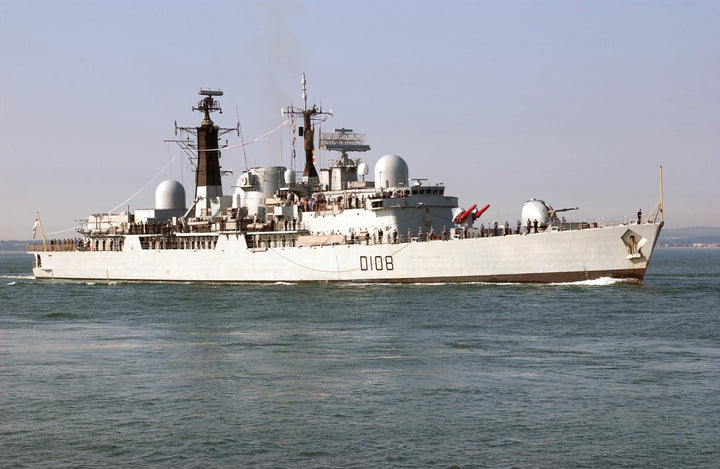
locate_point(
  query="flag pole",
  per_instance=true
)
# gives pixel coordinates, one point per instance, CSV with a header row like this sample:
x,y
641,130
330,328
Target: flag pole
x,y
662,209
42,233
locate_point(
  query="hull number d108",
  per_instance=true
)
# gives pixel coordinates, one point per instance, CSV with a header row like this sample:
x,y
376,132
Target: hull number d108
x,y
376,263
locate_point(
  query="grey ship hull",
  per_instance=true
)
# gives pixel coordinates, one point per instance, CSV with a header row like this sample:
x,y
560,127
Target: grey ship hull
x,y
621,252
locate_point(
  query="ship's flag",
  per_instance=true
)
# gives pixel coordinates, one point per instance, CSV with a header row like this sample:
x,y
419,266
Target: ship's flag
x,y
37,222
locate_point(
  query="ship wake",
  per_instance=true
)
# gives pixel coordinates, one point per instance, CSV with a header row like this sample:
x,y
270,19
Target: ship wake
x,y
599,282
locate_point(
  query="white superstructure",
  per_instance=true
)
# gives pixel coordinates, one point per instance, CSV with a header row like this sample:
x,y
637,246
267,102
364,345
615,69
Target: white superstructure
x,y
334,225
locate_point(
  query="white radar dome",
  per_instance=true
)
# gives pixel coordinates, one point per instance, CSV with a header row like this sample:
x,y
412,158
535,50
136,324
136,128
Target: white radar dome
x,y
363,169
536,210
289,177
391,171
170,195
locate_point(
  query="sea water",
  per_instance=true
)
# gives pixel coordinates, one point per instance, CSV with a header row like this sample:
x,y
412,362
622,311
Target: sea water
x,y
597,374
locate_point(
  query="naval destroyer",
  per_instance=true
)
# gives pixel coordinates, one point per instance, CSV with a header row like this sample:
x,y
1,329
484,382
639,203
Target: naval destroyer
x,y
336,225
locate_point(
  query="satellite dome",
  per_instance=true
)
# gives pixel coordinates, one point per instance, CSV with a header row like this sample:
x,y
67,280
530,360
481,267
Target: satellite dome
x,y
363,169
289,177
170,195
391,171
536,210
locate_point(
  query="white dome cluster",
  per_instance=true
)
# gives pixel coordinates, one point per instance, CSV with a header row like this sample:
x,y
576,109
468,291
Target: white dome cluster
x,y
170,195
391,171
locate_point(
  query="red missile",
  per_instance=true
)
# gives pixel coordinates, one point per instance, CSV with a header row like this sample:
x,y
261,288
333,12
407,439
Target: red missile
x,y
460,218
477,214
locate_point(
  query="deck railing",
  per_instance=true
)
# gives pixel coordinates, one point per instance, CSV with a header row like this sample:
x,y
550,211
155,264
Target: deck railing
x,y
40,247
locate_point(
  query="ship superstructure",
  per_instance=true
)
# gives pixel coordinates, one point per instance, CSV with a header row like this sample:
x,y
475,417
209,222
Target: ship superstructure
x,y
334,225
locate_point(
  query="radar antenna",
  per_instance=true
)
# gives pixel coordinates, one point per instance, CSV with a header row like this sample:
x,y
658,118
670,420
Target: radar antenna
x,y
208,104
343,140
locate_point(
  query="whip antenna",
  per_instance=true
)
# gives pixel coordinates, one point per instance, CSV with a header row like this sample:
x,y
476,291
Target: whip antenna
x,y
242,140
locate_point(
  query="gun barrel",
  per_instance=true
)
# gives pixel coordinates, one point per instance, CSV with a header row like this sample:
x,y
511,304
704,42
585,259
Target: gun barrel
x,y
460,218
477,214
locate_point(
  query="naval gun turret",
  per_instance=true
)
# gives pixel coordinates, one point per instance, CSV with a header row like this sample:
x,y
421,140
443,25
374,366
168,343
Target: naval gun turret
x,y
540,211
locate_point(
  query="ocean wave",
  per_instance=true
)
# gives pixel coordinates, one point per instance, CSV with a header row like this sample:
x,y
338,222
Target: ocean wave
x,y
18,277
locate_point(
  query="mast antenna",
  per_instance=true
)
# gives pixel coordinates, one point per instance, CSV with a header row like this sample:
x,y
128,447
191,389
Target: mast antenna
x,y
310,118
304,91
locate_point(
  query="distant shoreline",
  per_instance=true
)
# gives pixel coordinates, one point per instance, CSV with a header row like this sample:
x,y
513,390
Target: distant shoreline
x,y
686,247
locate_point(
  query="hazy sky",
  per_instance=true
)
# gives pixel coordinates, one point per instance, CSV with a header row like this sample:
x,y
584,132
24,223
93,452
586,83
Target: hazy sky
x,y
574,102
